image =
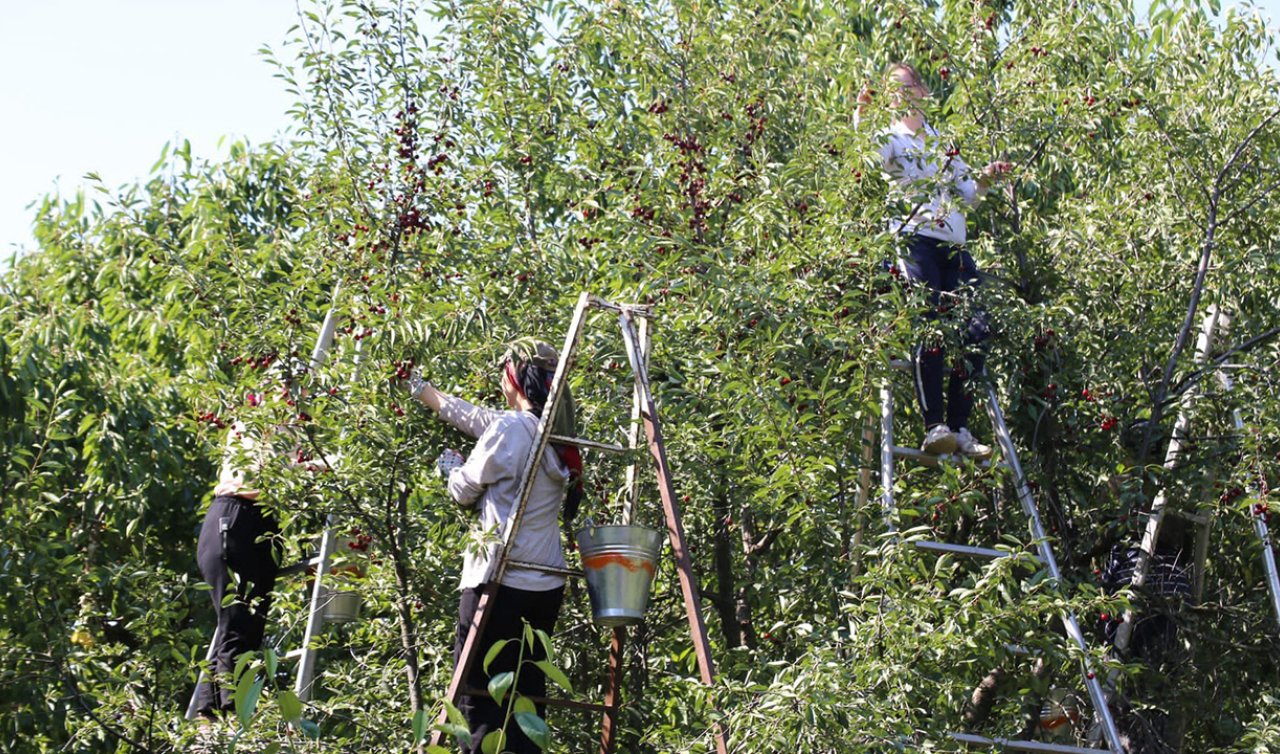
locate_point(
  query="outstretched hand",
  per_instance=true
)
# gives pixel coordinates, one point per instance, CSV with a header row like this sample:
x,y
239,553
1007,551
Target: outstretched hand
x,y
996,169
449,460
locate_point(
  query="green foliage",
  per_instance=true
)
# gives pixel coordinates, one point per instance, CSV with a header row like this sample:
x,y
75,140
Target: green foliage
x,y
461,171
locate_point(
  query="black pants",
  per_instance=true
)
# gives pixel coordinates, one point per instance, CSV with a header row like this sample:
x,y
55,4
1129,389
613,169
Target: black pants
x,y
507,613
237,554
945,268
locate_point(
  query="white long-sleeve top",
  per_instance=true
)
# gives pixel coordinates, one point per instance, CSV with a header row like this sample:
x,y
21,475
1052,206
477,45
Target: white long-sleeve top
x,y
913,161
490,481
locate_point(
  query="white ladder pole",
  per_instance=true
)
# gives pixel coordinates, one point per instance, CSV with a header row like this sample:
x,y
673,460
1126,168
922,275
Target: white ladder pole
x,y
633,431
886,454
204,674
1050,562
315,617
1151,534
1260,527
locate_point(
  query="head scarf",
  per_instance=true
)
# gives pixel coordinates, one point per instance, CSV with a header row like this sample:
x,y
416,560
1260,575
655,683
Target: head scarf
x,y
531,365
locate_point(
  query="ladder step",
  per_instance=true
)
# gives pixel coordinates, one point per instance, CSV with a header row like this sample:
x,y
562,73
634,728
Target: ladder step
x,y
549,701
1012,745
292,654
1195,518
929,459
567,572
969,551
302,565
902,365
578,441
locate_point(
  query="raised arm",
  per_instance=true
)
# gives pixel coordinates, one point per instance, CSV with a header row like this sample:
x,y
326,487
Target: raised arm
x,y
467,417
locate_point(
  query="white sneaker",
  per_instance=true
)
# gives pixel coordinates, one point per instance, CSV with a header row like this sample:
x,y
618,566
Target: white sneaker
x,y
971,447
940,441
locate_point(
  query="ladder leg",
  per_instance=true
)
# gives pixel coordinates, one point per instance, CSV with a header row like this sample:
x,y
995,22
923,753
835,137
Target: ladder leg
x,y
1050,562
204,674
886,453
675,529
1268,560
315,618
613,692
542,435
467,657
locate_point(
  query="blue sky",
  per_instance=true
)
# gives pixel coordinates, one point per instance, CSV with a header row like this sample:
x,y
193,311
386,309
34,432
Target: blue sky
x,y
101,85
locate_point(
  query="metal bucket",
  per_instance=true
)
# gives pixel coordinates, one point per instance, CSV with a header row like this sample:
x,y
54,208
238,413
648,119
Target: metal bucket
x,y
619,563
341,606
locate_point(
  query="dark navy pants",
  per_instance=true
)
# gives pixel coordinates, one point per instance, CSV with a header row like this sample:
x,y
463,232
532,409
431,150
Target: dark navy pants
x,y
508,611
237,555
946,268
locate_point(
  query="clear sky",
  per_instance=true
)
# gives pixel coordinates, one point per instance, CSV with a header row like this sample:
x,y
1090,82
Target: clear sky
x,y
101,85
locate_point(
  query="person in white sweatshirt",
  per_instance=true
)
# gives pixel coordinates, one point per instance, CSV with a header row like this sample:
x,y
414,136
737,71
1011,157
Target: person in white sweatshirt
x,y
488,480
934,186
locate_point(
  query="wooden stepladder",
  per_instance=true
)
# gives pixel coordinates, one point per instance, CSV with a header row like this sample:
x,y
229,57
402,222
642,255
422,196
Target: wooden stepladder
x,y
890,453
633,322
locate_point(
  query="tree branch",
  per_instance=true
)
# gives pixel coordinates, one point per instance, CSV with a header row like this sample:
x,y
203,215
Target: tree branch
x,y
1190,380
1243,145
1159,399
118,735
1241,210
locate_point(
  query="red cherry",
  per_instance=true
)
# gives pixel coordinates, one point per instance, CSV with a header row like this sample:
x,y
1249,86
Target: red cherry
x,y
945,73
784,381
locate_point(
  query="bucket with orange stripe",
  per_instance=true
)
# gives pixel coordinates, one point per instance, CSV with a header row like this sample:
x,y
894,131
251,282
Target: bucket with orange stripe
x,y
619,563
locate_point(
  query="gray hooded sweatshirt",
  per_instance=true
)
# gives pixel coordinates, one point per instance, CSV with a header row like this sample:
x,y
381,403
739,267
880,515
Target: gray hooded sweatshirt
x,y
490,482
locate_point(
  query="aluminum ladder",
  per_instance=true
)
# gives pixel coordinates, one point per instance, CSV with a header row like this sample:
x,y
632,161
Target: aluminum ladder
x,y
890,453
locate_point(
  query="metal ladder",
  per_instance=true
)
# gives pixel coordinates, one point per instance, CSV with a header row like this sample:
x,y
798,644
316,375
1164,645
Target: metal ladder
x,y
644,413
1215,323
1260,524
889,453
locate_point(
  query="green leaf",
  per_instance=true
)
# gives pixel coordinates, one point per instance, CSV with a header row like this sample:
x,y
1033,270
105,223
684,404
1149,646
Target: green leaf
x,y
309,729
535,728
419,726
546,644
269,657
290,706
556,675
500,684
493,652
494,742
455,715
524,704
248,692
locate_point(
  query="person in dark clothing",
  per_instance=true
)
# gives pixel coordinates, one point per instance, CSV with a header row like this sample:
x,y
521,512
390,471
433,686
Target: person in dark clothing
x,y
238,555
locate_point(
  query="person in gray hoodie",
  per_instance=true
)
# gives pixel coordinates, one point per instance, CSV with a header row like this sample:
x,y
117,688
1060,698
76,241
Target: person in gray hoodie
x,y
488,480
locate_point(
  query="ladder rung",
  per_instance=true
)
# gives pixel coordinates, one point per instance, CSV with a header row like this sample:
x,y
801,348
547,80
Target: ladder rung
x,y
1195,518
293,654
1012,745
569,572
300,566
549,701
966,550
902,365
929,459
578,441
